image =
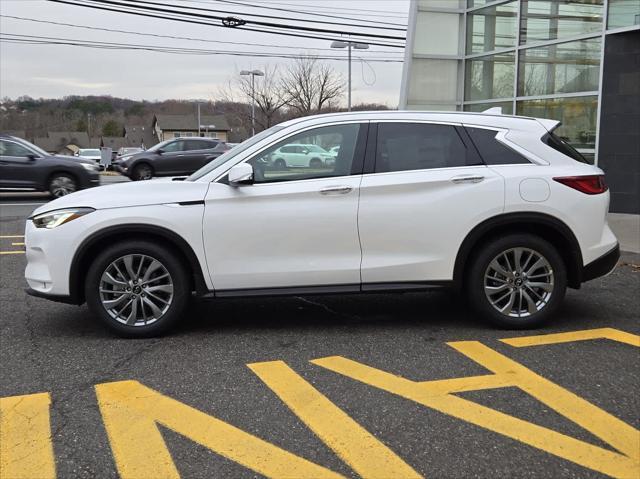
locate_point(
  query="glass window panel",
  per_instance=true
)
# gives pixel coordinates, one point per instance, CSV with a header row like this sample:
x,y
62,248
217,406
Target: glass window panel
x,y
551,19
423,4
437,33
477,3
433,81
507,107
561,68
490,77
624,13
492,28
578,116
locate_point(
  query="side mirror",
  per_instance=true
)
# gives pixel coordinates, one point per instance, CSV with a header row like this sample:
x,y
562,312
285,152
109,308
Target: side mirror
x,y
241,174
32,157
159,151
305,152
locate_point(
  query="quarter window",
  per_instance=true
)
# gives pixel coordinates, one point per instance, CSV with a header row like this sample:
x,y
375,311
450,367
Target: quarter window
x,y
492,151
420,146
307,155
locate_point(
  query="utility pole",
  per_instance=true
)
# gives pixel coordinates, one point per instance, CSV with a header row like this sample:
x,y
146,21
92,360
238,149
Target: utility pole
x,y
199,123
349,46
254,74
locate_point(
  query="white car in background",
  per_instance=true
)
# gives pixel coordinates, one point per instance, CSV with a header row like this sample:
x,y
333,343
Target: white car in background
x,y
301,156
89,154
494,206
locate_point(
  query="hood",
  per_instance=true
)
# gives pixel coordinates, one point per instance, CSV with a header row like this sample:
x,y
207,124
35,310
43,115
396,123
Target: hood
x,y
137,193
72,159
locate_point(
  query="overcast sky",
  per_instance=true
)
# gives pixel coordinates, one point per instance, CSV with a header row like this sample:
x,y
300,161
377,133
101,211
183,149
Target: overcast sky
x,y
53,71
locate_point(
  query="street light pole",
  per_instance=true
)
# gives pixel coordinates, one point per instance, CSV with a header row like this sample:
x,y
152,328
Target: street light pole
x,y
254,74
349,46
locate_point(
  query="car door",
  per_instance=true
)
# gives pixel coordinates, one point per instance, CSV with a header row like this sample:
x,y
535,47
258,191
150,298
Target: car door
x,y
169,162
426,189
289,229
17,166
198,154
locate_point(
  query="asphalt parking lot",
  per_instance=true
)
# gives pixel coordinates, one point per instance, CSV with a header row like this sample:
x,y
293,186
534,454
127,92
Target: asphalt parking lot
x,y
387,386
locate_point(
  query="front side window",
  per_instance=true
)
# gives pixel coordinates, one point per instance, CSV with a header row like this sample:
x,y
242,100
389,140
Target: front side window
x,y
419,146
292,159
491,150
9,148
173,146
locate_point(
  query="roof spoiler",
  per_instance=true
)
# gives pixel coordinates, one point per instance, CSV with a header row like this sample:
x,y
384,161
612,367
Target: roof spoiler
x,y
550,125
496,110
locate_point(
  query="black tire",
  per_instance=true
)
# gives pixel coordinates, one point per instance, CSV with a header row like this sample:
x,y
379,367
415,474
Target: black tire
x,y
178,276
280,164
316,163
142,171
62,184
519,284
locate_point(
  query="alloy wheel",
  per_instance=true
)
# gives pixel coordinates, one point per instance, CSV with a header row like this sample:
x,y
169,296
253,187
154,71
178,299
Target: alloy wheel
x,y
519,282
62,186
136,289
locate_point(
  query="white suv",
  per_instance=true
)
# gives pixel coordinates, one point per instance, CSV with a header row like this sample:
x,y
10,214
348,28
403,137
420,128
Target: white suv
x,y
497,206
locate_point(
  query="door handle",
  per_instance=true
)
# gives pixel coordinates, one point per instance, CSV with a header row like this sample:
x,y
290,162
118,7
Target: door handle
x,y
336,190
467,179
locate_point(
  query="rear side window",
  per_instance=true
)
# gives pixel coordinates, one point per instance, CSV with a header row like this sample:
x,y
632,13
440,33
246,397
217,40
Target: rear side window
x,y
491,150
419,146
563,147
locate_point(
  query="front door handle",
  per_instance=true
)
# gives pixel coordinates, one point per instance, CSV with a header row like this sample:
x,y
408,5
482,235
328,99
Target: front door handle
x,y
336,190
467,179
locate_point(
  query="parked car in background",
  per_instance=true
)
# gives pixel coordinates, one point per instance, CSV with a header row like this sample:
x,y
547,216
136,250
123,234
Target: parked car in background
x,y
301,156
128,151
89,154
23,165
179,156
494,206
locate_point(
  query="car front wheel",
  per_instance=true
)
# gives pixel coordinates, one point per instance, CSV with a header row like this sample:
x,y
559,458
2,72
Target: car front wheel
x,y
62,184
517,281
138,289
142,172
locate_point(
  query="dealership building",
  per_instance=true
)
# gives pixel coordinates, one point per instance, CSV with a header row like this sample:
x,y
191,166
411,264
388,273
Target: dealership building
x,y
577,61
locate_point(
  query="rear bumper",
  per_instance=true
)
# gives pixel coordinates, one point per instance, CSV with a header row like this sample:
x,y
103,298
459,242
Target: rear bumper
x,y
602,265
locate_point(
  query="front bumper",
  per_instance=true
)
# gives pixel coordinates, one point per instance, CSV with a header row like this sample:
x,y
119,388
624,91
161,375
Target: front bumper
x,y
58,298
601,266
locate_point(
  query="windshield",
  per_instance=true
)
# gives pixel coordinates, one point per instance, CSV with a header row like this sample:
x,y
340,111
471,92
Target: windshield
x,y
89,152
212,165
162,144
316,148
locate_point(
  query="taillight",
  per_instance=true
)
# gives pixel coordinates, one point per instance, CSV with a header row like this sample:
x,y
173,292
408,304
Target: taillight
x,y
590,184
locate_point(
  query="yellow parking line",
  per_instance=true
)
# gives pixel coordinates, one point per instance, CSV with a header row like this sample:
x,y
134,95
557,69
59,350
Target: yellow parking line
x,y
17,244
11,252
13,236
585,335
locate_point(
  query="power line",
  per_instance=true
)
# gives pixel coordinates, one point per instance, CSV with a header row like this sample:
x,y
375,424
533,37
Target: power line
x,y
261,15
306,12
199,22
42,40
367,12
156,35
252,22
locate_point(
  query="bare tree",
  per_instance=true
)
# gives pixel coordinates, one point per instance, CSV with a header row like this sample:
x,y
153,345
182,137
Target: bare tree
x,y
311,86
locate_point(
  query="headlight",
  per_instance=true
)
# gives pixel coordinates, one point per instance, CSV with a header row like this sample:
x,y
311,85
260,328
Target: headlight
x,y
56,218
90,167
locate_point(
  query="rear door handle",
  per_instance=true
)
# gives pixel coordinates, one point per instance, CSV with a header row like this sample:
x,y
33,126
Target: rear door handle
x,y
467,179
336,190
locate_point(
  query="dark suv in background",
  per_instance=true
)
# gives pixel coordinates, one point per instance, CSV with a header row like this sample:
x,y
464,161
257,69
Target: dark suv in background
x,y
179,156
23,165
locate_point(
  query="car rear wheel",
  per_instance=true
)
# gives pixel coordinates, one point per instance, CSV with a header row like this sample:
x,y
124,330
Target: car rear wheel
x,y
62,184
138,289
517,281
142,172
280,164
